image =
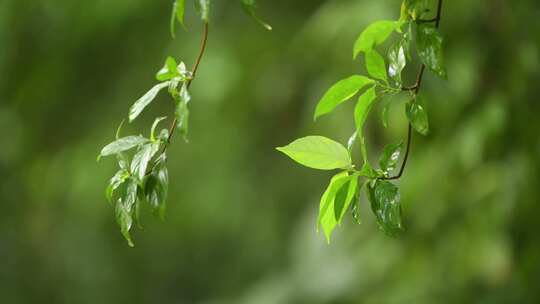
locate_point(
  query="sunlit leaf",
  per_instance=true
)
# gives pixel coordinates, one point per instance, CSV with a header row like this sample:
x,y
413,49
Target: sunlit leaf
x,y
318,152
168,71
327,215
375,65
154,126
340,92
363,106
396,61
122,144
375,34
144,101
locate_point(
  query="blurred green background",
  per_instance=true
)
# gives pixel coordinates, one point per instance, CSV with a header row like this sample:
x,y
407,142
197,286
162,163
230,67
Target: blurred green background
x,y
241,217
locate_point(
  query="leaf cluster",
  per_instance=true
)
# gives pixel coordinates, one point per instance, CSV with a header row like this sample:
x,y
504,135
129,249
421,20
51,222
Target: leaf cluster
x,y
384,79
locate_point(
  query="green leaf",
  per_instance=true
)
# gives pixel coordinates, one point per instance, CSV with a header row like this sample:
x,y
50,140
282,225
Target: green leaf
x,y
385,203
375,65
182,111
122,144
355,206
142,158
327,215
116,181
429,47
203,7
387,103
375,34
178,13
416,9
124,209
390,157
417,116
157,186
344,197
318,152
363,107
154,126
168,71
249,7
144,101
341,92
396,61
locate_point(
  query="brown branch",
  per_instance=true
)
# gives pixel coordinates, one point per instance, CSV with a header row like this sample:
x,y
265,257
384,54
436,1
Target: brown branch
x,y
416,89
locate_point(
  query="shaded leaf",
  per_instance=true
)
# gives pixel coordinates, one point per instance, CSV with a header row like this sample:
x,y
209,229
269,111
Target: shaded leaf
x,y
116,181
429,46
249,7
144,101
390,157
157,186
341,92
385,204
318,152
344,197
122,144
417,116
142,158
375,34
154,126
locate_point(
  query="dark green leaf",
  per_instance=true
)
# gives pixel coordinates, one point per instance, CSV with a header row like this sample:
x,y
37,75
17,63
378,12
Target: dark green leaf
x,y
390,157
429,46
385,203
157,186
375,65
375,34
249,7
417,116
396,61
144,101
182,112
203,7
122,144
318,152
124,209
142,158
341,92
416,9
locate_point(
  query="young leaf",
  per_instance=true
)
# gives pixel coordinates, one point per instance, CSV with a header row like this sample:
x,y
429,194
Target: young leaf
x,y
417,116
144,101
318,152
375,34
390,157
344,197
122,144
157,186
396,61
363,107
429,46
168,71
341,92
249,7
203,7
375,65
154,125
178,12
116,181
142,158
327,215
385,203
124,209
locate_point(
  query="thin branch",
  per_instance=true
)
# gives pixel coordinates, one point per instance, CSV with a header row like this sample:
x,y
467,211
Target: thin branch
x,y
416,89
194,70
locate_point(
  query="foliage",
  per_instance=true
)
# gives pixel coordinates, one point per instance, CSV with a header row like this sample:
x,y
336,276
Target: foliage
x,y
384,80
145,178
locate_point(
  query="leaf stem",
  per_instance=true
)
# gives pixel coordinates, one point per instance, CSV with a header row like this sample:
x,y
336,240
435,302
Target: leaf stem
x,y
416,89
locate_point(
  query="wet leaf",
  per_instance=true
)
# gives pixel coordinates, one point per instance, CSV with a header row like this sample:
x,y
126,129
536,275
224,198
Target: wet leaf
x,y
385,204
417,116
429,46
